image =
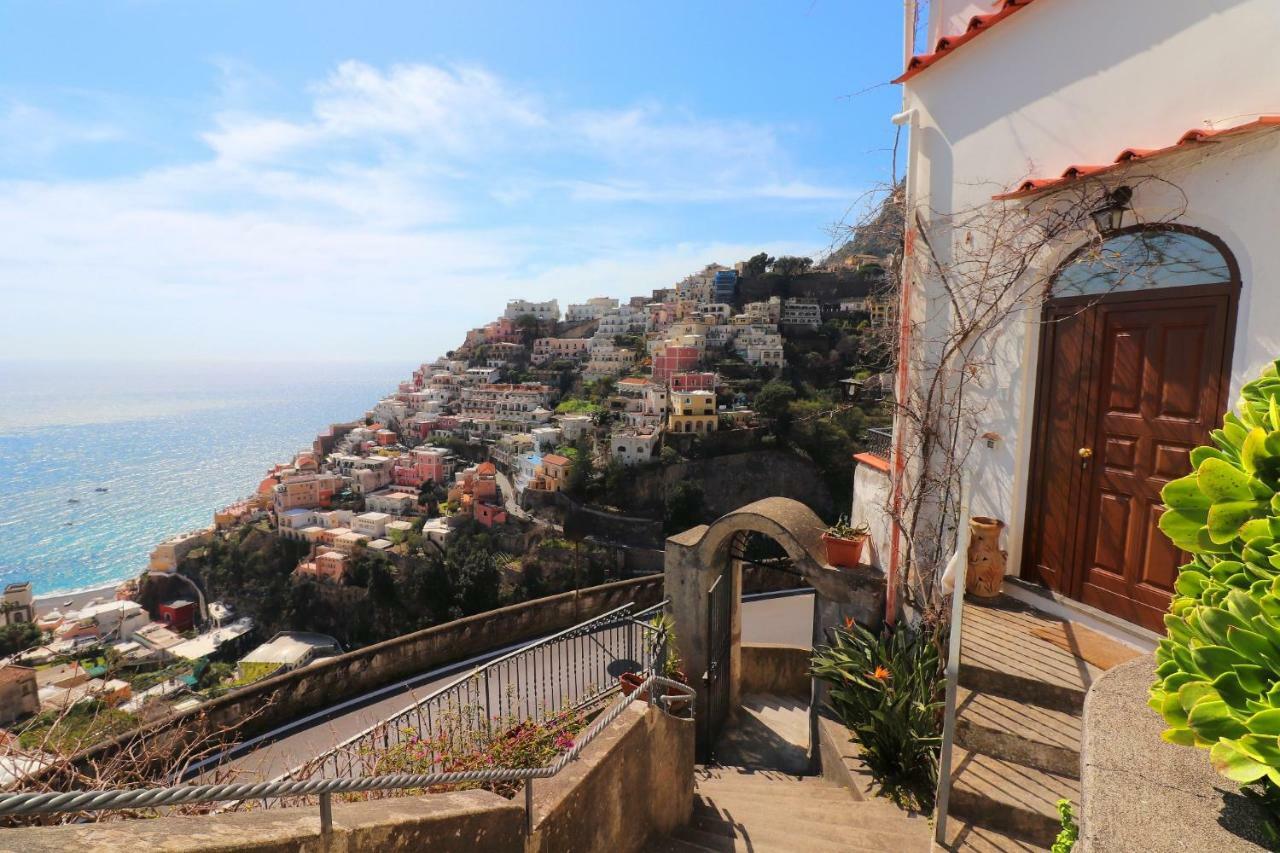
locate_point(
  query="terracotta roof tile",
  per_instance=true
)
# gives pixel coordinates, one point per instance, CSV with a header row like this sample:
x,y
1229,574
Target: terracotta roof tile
x,y
1196,136
978,25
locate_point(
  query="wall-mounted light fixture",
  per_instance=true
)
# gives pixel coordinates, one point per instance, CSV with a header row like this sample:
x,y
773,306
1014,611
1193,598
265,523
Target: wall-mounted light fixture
x,y
1110,216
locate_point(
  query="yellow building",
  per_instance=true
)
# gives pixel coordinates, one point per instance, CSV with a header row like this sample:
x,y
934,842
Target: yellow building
x,y
693,411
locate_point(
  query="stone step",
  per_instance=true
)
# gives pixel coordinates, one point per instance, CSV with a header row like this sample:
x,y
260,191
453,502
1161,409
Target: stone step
x,y
1007,649
795,839
1020,732
896,833
963,836
847,815
800,797
1010,798
671,844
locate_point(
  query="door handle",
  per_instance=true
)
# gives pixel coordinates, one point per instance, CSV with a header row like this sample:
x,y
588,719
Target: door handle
x,y
1085,453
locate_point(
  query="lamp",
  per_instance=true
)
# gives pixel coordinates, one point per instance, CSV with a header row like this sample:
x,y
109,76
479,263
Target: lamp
x,y
1110,216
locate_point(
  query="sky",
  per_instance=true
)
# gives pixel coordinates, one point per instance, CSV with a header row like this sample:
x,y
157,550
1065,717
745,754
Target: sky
x,y
336,181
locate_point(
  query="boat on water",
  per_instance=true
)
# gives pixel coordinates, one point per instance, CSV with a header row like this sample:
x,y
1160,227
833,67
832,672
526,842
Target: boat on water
x,y
73,500
100,489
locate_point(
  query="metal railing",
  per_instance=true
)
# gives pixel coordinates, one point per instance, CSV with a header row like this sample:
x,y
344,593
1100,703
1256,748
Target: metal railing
x,y
879,441
564,672
12,805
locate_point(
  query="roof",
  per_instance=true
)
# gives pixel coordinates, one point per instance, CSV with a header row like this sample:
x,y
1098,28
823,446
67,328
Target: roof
x,y
290,647
554,459
1192,138
978,25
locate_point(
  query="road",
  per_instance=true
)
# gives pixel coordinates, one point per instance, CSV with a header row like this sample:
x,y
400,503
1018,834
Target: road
x,y
786,619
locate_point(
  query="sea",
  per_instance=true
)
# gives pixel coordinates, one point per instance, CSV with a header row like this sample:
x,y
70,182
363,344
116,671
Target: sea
x,y
169,444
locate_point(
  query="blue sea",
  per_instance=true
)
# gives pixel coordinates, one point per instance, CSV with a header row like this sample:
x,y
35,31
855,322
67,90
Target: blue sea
x,y
170,443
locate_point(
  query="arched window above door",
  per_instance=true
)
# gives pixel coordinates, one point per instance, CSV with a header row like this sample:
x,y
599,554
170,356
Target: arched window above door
x,y
1142,259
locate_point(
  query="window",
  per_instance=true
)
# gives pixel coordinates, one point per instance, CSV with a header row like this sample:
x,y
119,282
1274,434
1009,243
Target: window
x,y
1140,260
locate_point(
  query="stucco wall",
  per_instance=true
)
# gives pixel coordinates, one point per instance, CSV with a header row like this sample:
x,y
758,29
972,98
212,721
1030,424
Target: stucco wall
x,y
635,783
275,701
1076,83
871,492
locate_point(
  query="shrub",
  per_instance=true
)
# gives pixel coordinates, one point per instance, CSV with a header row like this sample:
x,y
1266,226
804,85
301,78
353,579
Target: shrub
x,y
887,689
1218,669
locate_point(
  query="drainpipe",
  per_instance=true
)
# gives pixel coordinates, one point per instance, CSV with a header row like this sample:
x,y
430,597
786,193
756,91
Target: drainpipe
x,y
909,118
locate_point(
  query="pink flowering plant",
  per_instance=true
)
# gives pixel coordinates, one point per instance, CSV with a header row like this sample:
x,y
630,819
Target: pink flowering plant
x,y
463,741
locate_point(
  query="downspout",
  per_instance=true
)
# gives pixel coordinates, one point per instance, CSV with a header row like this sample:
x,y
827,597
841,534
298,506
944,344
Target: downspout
x,y
910,119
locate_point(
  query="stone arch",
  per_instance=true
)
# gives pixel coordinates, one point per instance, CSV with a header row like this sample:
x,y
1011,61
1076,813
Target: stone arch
x,y
696,558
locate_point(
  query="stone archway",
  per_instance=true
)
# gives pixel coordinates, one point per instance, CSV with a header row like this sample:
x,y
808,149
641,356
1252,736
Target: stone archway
x,y
696,558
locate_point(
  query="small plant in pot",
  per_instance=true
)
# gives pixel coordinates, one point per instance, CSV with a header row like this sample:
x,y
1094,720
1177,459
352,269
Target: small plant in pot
x,y
844,543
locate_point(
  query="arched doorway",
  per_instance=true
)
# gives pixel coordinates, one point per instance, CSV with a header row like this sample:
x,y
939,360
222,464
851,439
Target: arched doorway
x,y
704,587
1134,357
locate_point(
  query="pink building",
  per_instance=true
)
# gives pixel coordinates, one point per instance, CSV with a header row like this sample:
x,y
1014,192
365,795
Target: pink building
x,y
489,514
421,465
683,382
671,360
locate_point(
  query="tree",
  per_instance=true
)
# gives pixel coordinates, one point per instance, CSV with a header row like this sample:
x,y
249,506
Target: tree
x,y
757,264
581,472
791,265
774,402
684,506
18,636
529,328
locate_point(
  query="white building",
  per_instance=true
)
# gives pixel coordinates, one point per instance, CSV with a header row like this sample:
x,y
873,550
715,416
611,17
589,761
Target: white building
x,y
633,446
544,311
593,309
289,650
574,427
1060,105
801,313
371,524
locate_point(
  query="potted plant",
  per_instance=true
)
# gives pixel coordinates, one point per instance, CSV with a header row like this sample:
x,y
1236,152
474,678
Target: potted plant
x,y
844,543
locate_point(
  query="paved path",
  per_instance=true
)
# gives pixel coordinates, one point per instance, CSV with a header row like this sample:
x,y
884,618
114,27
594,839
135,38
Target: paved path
x,y
773,620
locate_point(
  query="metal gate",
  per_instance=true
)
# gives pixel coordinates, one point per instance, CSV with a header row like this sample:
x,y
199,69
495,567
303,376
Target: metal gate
x,y
719,645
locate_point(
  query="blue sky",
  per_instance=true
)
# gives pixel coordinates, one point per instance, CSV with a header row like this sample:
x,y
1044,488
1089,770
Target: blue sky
x,y
342,181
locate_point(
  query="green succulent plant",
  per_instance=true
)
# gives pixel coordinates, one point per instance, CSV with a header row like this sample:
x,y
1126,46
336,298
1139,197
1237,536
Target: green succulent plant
x,y
1218,668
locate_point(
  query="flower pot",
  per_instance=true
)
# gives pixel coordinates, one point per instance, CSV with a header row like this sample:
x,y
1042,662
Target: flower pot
x,y
630,682
984,575
843,553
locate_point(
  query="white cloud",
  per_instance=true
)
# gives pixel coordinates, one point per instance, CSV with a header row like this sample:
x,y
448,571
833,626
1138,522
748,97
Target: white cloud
x,y
398,207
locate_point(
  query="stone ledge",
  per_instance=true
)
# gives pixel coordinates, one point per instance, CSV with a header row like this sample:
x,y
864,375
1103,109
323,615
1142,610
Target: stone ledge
x,y
460,822
1141,793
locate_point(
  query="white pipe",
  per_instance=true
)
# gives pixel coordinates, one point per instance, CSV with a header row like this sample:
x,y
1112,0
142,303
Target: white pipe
x,y
906,117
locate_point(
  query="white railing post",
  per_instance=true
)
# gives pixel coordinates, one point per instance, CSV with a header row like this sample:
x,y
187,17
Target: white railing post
x,y
943,799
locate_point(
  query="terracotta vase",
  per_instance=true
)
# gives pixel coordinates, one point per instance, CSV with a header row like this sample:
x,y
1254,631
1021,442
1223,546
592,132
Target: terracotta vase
x,y
984,575
843,553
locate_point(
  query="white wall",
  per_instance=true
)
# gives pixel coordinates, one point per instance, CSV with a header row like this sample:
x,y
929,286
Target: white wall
x,y
1076,82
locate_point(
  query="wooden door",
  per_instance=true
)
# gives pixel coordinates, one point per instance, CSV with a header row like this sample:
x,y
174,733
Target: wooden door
x,y
1130,385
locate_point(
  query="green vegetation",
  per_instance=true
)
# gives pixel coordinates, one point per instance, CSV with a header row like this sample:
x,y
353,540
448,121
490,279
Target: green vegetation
x,y
578,406
1070,831
1218,673
888,690
684,507
81,725
18,636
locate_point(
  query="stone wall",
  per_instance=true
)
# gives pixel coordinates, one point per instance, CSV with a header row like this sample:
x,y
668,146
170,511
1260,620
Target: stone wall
x,y
633,783
275,701
776,669
870,497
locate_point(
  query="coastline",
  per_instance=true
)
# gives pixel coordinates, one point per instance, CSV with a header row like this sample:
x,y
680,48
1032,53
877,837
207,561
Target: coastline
x,y
53,601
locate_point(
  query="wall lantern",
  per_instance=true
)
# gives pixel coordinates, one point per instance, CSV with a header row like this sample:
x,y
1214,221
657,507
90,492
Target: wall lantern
x,y
1110,217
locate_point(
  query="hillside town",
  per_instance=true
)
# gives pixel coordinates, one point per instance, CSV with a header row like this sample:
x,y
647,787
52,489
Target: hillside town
x,y
500,434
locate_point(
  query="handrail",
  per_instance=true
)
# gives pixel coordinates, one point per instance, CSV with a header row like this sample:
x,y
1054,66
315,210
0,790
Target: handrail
x,y
473,682
943,799
50,802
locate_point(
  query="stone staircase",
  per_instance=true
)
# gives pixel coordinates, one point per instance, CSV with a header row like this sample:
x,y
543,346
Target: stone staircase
x,y
756,798
1023,679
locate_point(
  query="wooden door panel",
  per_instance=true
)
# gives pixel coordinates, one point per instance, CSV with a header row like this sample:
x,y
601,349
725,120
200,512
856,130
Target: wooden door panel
x,y
1054,519
1139,380
1159,380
